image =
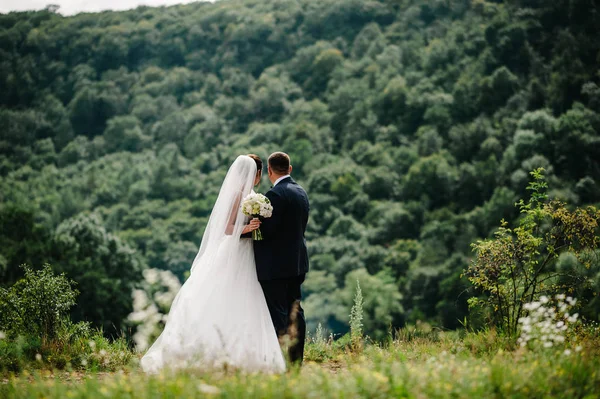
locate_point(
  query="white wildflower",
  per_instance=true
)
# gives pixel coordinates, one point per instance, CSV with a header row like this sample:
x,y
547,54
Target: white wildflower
x,y
150,304
38,357
2,335
573,318
170,281
208,389
151,276
546,323
163,299
141,343
532,306
140,299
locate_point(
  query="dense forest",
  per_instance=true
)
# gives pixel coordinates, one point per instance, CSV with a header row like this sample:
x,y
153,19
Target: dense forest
x,y
412,125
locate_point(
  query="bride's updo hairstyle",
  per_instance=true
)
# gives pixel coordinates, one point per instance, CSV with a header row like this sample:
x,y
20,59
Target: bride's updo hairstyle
x,y
280,163
259,163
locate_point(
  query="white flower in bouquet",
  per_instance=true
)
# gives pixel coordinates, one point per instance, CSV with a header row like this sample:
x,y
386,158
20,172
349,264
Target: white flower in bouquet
x,y
257,205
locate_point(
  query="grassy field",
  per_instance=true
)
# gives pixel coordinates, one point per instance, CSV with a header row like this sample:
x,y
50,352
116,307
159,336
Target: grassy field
x,y
440,365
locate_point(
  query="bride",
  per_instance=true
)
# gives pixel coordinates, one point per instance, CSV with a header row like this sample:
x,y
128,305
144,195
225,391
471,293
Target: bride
x,y
220,316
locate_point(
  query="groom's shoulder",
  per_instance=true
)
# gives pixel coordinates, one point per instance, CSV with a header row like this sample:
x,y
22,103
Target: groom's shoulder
x,y
293,187
287,184
282,188
296,184
274,192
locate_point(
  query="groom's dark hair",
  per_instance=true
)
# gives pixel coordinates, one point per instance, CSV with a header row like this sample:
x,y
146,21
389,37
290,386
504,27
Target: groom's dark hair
x,y
279,163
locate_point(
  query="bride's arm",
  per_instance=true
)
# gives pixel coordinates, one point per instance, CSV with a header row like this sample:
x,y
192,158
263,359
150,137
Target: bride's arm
x,y
253,225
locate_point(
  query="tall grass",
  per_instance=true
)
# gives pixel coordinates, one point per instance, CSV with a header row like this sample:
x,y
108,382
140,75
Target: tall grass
x,y
356,319
70,351
415,368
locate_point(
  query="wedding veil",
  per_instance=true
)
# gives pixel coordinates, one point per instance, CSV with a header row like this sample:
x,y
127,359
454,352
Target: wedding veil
x,y
226,218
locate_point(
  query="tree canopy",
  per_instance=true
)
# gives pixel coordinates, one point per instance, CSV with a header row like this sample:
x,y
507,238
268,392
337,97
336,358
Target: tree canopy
x,y
412,125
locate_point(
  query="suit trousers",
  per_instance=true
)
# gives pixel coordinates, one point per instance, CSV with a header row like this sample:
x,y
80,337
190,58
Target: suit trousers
x,y
283,300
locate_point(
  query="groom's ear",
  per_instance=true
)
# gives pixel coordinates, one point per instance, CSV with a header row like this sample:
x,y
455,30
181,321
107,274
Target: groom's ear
x,y
290,170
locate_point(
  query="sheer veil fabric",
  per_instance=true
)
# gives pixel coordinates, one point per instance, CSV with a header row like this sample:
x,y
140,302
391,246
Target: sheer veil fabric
x,y
220,316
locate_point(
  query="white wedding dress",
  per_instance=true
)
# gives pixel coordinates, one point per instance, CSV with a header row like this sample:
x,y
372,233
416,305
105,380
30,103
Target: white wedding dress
x,y
220,316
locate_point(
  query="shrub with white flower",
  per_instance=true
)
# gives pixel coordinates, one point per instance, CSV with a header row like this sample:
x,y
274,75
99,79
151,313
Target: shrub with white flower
x,y
257,205
151,305
548,322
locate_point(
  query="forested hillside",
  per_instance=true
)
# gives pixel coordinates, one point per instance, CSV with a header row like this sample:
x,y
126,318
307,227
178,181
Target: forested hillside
x,y
411,124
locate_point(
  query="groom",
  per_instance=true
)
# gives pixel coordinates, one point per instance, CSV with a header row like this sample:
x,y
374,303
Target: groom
x,y
281,257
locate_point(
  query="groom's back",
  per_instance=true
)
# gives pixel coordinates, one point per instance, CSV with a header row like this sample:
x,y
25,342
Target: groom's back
x,y
283,253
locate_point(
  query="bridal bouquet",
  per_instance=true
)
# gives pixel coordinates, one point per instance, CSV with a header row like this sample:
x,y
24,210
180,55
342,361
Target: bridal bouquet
x,y
255,205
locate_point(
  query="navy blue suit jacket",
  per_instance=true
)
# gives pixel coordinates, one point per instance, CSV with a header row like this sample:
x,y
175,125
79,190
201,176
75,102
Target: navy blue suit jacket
x,y
283,254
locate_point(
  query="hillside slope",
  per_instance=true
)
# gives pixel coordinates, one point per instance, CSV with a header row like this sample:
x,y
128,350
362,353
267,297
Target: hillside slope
x,y
412,125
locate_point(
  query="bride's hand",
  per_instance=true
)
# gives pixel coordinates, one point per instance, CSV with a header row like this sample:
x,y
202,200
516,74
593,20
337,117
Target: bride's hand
x,y
253,225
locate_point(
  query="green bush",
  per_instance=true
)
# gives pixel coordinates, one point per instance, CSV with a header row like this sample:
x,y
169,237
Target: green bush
x,y
15,354
36,304
76,347
38,333
519,265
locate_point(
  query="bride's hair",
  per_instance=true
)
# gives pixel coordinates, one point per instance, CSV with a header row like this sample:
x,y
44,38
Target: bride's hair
x,y
259,162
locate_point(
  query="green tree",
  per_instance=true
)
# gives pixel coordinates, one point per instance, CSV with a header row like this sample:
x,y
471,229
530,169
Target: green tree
x,y
124,133
92,106
105,269
23,240
404,121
